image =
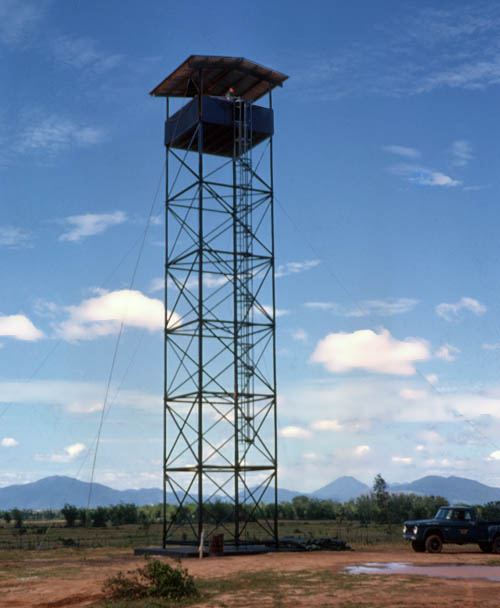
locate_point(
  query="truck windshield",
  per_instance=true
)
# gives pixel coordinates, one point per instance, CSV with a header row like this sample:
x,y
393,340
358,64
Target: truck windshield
x,y
455,514
442,513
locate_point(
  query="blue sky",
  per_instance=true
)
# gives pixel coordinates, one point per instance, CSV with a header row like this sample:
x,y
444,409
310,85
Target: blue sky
x,y
386,173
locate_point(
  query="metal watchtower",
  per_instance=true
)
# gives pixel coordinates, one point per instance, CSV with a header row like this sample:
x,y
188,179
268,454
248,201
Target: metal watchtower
x,y
220,436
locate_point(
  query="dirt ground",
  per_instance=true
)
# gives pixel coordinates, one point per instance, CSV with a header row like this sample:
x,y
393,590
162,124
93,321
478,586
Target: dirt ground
x,y
74,578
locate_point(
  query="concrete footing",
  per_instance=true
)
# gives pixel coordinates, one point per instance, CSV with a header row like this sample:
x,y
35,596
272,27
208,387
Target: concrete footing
x,y
192,551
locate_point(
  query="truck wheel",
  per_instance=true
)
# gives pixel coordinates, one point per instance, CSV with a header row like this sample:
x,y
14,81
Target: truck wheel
x,y
418,546
486,547
495,545
434,544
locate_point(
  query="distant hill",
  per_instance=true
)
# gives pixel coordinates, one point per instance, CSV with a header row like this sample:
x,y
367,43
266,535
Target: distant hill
x,y
54,492
342,489
283,495
454,489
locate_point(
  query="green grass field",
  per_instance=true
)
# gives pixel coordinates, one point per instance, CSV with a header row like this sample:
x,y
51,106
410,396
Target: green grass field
x,y
54,534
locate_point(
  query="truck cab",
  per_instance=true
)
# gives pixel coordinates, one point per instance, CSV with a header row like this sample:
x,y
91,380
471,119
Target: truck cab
x,y
458,525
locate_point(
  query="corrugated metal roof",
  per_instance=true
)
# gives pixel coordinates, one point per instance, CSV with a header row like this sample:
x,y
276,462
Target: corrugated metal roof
x,y
248,79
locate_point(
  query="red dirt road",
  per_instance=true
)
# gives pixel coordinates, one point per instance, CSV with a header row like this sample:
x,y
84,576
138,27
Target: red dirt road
x,y
75,579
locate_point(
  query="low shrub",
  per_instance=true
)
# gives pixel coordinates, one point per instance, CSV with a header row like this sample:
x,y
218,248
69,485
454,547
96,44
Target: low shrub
x,y
68,542
122,587
156,579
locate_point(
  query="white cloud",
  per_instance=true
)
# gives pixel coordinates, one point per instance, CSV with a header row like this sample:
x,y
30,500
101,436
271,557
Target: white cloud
x,y
182,282
103,314
387,436
402,459
310,456
157,284
67,454
294,432
461,153
55,134
13,237
487,346
383,308
268,310
19,327
471,75
300,335
155,220
327,425
420,448
424,176
130,479
369,401
447,352
476,188
450,46
84,407
432,378
17,18
370,351
427,177
402,151
430,437
494,455
295,267
362,450
9,442
75,397
450,311
88,136
90,224
411,394
322,305
211,281
80,53
45,308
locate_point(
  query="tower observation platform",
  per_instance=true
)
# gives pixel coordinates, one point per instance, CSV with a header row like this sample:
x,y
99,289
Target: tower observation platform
x,y
220,430
214,77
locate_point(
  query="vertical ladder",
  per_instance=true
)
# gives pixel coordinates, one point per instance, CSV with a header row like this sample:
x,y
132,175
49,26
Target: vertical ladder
x,y
245,305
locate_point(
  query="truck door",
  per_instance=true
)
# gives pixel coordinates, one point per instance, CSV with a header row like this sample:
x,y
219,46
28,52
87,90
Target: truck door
x,y
460,526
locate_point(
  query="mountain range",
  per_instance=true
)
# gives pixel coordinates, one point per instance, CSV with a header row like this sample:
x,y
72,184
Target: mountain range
x,y
53,492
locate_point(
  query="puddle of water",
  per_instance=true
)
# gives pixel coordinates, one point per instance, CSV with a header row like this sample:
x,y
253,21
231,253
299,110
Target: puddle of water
x,y
491,573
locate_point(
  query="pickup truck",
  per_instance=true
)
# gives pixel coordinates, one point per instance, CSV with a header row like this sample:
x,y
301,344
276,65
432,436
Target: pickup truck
x,y
457,525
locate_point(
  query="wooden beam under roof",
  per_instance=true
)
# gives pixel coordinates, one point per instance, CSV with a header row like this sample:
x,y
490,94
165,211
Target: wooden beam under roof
x,y
219,73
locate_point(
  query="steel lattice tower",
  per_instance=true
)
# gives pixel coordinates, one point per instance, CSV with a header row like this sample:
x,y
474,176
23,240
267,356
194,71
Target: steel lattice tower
x,y
220,434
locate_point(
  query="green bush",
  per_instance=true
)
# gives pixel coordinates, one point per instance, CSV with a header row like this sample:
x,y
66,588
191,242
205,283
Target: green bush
x,y
70,514
123,514
491,510
99,517
156,579
18,516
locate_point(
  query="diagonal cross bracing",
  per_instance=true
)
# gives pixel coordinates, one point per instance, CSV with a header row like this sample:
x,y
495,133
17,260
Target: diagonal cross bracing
x,y
220,378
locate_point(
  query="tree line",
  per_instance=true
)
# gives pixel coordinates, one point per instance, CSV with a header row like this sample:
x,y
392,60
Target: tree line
x,y
99,517
378,506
